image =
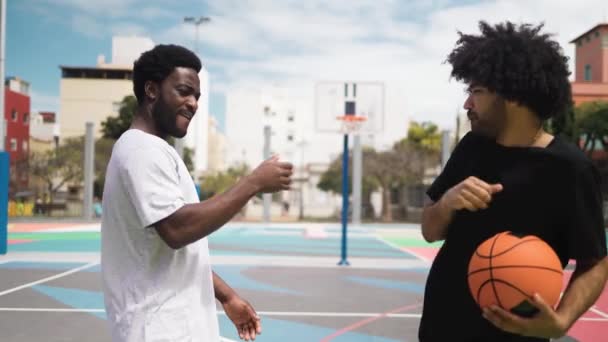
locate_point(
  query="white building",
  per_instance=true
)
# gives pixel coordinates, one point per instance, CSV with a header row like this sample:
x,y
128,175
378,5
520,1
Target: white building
x,y
43,126
216,155
93,93
291,115
197,137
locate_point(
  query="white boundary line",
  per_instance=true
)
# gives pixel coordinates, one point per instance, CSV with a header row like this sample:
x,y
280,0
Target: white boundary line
x,y
281,313
402,250
57,276
599,312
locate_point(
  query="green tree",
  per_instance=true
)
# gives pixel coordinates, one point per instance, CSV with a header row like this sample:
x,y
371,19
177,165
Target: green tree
x,y
331,179
59,166
114,126
103,151
564,125
425,135
592,124
423,144
188,154
388,169
219,182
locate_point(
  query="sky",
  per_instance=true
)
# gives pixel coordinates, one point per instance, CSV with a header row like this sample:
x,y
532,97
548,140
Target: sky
x,y
250,44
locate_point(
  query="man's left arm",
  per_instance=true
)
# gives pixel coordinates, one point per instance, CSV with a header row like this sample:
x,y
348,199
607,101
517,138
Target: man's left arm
x,y
586,239
584,288
240,312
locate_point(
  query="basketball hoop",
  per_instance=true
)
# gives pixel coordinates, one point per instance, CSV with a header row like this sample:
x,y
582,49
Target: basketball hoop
x,y
351,123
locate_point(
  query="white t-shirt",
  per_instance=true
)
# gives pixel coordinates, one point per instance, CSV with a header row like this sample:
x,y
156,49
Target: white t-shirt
x,y
152,292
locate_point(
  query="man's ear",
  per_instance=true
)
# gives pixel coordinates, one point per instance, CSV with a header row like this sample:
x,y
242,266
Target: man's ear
x,y
151,90
513,105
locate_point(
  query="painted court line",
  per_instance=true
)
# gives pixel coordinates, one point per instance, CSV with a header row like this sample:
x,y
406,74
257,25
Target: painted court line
x,y
599,312
52,310
402,250
336,314
366,321
57,276
261,313
273,313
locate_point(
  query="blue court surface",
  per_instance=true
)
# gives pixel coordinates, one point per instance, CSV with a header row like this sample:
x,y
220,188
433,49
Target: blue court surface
x,y
50,286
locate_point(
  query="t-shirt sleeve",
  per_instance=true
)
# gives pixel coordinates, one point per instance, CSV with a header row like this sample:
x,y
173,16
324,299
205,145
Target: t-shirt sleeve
x,y
586,233
454,170
152,183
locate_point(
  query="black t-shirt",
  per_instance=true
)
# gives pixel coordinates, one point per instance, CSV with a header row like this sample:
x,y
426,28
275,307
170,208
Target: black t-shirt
x,y
553,193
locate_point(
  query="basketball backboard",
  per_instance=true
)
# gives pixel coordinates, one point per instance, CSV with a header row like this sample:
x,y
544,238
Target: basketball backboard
x,y
338,98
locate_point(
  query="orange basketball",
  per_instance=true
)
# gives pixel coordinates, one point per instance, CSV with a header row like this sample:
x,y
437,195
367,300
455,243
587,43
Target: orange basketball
x,y
507,270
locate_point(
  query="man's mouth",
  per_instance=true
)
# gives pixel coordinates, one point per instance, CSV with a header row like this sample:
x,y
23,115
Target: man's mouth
x,y
187,115
471,116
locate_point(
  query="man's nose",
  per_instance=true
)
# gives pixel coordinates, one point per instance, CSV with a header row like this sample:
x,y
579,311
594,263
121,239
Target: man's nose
x,y
468,104
192,104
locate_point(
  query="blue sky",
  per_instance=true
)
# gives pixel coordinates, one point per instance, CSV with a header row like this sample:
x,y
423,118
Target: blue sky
x,y
255,43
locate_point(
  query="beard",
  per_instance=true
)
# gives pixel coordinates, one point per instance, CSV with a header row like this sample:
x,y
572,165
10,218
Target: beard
x,y
165,119
490,123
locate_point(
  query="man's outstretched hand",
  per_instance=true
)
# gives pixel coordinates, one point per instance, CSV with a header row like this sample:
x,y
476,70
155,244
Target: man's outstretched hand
x,y
244,317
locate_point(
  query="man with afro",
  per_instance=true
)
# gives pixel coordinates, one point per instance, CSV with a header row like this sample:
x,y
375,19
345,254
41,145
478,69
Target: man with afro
x,y
510,174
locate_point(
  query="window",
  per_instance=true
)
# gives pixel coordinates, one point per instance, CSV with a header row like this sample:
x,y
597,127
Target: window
x,y
13,144
14,115
26,118
290,137
597,33
580,43
24,146
587,72
290,118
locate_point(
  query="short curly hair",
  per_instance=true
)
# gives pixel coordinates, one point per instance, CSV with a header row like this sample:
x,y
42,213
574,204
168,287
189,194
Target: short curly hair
x,y
518,63
158,63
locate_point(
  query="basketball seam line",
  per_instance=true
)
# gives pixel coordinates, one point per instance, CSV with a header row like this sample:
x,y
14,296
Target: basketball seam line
x,y
506,250
498,280
491,271
516,266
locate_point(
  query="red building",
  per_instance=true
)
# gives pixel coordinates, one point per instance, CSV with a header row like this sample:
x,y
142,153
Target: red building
x,y
17,116
591,71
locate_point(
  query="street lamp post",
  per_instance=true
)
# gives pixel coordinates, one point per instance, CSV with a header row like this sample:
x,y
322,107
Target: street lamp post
x,y
197,23
179,143
303,178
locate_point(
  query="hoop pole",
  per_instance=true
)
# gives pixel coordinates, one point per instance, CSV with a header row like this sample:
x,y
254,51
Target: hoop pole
x,y
343,261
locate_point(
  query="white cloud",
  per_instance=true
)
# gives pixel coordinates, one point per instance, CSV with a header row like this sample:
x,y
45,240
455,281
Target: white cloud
x,y
128,29
295,43
316,40
88,26
105,7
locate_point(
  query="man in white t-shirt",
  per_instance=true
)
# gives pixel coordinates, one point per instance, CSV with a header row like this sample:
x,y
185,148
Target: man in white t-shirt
x,y
157,277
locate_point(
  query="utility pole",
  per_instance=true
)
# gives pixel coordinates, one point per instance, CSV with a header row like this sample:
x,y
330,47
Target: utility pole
x,y
179,143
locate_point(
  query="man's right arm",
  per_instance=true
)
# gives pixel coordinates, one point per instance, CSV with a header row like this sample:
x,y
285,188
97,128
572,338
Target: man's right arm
x,y
435,220
195,221
471,194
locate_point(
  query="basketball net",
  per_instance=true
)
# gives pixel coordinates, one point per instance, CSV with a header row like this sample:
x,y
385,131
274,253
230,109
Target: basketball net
x,y
351,124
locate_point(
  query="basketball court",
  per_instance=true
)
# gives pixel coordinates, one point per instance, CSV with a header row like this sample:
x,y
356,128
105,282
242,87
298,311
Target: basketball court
x,y
50,282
